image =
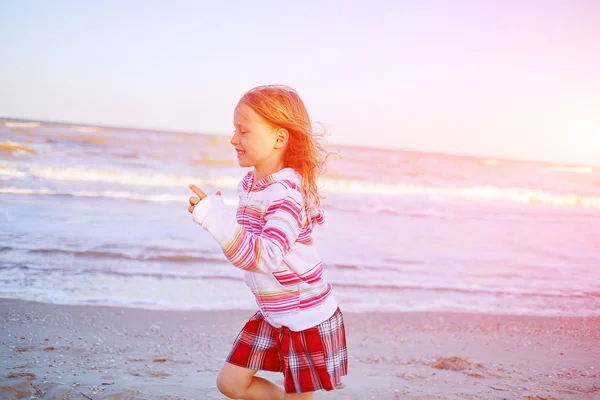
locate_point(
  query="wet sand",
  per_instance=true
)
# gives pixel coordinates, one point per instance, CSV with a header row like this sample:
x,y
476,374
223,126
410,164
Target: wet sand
x,y
87,352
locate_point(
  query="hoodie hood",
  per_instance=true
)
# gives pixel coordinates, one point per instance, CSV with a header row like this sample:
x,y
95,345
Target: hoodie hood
x,y
292,179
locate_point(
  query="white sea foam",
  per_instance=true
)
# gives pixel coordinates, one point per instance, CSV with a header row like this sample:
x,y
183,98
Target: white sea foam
x,y
86,129
132,178
485,192
11,172
140,178
576,169
153,198
21,124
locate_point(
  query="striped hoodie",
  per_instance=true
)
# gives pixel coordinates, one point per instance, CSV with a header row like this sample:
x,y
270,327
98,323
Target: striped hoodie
x,y
270,238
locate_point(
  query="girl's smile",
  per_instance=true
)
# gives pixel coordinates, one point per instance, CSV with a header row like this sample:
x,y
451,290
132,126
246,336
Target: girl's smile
x,y
240,152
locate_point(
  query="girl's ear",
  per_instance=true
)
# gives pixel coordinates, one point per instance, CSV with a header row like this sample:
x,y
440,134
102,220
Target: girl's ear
x,y
282,137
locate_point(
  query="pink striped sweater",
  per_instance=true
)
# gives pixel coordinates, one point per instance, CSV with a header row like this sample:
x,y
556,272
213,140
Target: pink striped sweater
x,y
270,238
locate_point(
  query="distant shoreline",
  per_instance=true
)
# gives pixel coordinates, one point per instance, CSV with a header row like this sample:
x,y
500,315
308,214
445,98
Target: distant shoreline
x,y
351,146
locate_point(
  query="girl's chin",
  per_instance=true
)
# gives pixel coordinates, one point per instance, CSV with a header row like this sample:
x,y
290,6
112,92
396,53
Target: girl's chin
x,y
243,163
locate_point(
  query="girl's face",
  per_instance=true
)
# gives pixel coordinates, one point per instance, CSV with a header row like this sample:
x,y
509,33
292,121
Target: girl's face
x,y
254,139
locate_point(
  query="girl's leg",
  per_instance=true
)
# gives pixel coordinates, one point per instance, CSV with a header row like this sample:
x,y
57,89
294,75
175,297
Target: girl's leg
x,y
298,396
240,383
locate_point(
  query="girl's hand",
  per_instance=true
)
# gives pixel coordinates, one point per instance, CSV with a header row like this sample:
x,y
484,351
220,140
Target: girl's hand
x,y
195,200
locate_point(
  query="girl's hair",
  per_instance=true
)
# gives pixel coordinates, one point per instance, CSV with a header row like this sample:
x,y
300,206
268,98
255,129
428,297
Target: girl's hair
x,y
281,107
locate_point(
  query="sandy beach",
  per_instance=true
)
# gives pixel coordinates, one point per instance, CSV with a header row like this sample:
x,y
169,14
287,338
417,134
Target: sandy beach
x,y
87,352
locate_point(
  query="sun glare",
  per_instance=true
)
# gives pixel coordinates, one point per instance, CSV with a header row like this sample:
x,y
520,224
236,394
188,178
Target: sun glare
x,y
588,129
583,133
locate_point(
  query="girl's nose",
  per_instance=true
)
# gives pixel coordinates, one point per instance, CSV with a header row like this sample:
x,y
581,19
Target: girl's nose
x,y
234,140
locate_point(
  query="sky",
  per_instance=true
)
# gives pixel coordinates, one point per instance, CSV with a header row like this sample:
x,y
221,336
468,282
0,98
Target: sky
x,y
508,79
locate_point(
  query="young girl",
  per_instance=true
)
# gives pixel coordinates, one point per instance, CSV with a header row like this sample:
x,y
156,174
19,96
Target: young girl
x,y
298,329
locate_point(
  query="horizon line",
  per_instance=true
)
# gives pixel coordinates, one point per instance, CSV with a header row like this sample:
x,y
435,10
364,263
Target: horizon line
x,y
356,146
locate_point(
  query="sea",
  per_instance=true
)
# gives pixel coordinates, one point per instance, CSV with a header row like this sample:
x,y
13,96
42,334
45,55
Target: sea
x,y
98,216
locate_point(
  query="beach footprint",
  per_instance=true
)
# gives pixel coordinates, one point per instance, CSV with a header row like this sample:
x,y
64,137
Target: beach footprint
x,y
459,364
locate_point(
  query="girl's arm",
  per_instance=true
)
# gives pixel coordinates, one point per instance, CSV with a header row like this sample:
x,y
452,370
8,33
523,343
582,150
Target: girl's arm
x,y
250,252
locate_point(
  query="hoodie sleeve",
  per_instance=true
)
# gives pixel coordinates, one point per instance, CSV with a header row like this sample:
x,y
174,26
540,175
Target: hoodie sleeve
x,y
251,252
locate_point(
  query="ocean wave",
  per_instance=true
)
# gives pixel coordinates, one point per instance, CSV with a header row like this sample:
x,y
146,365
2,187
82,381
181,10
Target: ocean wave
x,y
109,194
352,187
231,275
21,124
453,215
161,198
86,129
349,207
576,169
15,148
216,267
116,176
467,290
209,303
422,212
83,139
114,255
374,290
484,192
130,273
7,172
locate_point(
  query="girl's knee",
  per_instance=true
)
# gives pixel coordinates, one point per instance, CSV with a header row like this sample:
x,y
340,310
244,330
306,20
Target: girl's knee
x,y
229,387
233,381
299,396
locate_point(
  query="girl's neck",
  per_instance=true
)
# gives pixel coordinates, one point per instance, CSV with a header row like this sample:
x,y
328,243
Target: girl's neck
x,y
262,171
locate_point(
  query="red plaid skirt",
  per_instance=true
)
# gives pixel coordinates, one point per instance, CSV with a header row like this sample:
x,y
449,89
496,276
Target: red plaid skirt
x,y
312,359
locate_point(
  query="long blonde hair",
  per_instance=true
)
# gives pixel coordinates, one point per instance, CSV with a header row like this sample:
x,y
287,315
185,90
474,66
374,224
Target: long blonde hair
x,y
281,107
